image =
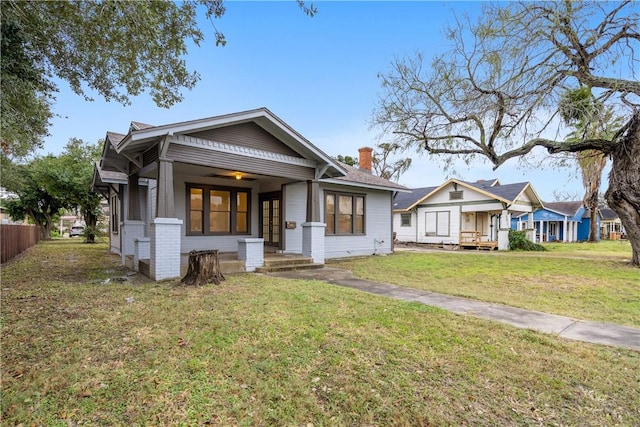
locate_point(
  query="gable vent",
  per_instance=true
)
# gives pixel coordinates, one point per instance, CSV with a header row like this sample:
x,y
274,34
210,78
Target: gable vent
x,y
455,195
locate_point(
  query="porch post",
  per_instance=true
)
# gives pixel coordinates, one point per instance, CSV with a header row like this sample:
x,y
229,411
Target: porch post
x,y
313,201
166,229
541,231
565,230
503,231
531,227
133,197
132,226
164,191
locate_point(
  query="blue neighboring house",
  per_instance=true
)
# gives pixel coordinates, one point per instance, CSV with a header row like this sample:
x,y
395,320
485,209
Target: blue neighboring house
x,y
558,221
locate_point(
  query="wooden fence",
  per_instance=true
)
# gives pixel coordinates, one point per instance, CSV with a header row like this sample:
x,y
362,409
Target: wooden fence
x,y
17,238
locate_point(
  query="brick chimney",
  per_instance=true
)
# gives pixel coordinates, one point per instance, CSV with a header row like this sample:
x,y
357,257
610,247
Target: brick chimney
x,y
364,158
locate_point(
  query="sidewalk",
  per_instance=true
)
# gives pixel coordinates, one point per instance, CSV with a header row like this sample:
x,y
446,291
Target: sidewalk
x,y
565,327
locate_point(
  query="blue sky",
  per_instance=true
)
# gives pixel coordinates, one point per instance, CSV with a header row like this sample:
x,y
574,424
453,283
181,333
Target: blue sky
x,y
317,74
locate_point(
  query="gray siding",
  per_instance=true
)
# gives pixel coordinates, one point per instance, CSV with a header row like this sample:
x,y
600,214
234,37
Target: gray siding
x,y
202,156
405,234
150,156
378,238
248,135
295,210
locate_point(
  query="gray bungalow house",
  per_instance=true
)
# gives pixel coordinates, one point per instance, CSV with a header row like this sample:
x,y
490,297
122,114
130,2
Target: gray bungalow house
x,y
241,183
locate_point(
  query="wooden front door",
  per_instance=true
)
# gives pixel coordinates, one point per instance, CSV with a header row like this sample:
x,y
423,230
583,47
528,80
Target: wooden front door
x,y
270,219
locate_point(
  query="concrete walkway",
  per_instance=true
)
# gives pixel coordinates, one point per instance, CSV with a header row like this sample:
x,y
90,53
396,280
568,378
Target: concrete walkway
x,y
565,327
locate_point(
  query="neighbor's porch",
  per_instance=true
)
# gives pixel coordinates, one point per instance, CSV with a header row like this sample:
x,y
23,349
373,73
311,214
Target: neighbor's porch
x,y
487,229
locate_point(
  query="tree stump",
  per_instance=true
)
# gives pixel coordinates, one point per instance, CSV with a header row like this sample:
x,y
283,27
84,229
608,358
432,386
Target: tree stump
x,y
204,267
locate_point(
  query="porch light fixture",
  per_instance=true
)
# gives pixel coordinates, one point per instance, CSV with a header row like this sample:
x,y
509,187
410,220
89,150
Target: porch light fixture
x,y
238,176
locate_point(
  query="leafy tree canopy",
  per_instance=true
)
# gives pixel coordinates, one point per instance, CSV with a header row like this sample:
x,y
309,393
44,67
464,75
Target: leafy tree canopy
x,y
48,184
34,200
117,49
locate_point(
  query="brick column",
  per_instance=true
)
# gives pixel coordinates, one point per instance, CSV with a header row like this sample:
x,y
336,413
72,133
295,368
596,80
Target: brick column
x,y
251,251
165,248
313,241
131,230
142,251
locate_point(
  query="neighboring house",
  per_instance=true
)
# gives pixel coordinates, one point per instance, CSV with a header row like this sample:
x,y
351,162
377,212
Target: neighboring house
x,y
242,183
4,216
467,214
610,224
558,221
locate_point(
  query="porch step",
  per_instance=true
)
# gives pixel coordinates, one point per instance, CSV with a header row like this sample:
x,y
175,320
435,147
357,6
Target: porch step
x,y
226,266
144,267
288,267
128,261
284,260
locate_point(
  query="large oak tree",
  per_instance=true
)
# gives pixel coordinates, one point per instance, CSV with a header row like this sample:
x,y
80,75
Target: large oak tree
x,y
496,93
115,49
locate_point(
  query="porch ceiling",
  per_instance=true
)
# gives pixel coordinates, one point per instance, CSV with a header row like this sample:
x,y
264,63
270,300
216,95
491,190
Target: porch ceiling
x,y
180,168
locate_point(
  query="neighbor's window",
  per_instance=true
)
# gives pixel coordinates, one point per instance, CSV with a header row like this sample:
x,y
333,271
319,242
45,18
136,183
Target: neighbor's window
x,y
437,223
405,220
344,213
218,210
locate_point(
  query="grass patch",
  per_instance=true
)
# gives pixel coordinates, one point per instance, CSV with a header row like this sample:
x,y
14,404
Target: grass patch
x,y
260,350
583,280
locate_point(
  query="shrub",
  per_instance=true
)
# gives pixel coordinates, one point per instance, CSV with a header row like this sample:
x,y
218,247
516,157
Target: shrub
x,y
518,241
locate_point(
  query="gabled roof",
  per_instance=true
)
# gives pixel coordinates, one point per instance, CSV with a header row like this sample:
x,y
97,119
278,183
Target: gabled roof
x,y
608,213
109,159
140,135
115,138
484,183
564,208
139,126
103,178
365,179
507,193
405,201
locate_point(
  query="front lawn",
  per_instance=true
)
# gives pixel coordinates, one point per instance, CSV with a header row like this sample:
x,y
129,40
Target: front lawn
x,y
581,280
257,350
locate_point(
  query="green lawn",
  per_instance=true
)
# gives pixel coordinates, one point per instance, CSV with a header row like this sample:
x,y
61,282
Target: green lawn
x,y
259,350
582,280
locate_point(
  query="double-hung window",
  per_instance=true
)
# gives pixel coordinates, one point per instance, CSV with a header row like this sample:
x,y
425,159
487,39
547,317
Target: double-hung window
x,y
344,213
218,210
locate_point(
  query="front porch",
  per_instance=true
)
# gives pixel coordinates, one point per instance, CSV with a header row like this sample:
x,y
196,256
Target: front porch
x,y
473,239
230,263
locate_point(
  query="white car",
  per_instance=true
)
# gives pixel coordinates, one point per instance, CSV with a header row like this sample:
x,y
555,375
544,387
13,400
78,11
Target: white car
x,y
76,231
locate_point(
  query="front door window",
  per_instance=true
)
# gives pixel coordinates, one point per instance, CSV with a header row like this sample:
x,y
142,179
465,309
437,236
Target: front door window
x,y
270,224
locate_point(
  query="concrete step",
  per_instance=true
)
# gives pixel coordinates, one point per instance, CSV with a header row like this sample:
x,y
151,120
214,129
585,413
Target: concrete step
x,y
288,267
287,260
